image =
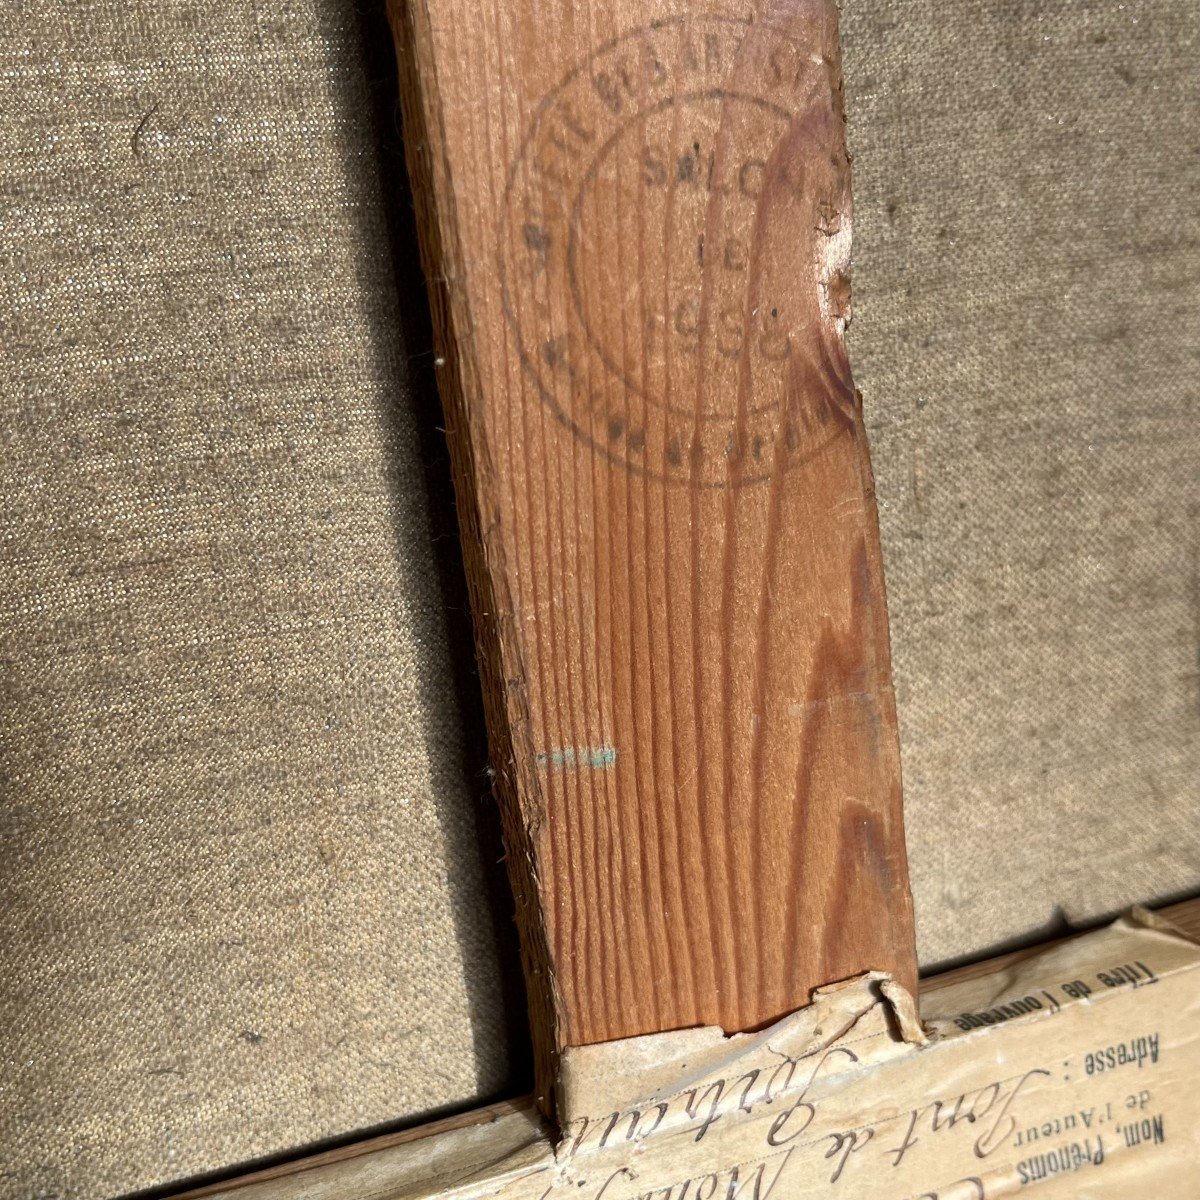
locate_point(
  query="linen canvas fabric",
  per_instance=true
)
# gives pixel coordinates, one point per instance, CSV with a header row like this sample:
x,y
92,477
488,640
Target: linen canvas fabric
x,y
244,906
1027,341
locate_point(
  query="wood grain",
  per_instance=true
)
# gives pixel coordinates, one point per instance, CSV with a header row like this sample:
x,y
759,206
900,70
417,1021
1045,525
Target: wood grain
x,y
636,220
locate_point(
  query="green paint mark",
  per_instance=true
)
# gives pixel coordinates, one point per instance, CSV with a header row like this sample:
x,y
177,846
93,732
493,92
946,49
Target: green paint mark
x,y
599,757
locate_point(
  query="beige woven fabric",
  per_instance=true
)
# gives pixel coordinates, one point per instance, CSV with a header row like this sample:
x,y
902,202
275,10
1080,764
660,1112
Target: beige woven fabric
x,y
1027,341
241,876
242,907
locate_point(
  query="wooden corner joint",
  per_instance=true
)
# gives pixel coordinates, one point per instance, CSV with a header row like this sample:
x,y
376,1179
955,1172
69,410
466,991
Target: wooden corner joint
x,y
1068,1065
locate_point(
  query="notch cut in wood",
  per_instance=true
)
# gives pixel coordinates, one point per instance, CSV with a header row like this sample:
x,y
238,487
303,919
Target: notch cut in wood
x,y
637,223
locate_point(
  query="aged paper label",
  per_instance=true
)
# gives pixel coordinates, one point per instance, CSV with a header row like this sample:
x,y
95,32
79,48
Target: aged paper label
x,y
1071,1074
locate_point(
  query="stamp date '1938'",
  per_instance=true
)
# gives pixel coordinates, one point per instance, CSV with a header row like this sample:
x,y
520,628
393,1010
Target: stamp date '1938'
x,y
674,249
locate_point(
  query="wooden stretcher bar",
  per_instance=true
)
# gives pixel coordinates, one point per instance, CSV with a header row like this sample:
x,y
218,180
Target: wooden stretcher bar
x,y
636,222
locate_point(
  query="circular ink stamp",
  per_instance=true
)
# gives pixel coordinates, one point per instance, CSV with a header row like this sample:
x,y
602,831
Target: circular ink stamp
x,y
673,251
